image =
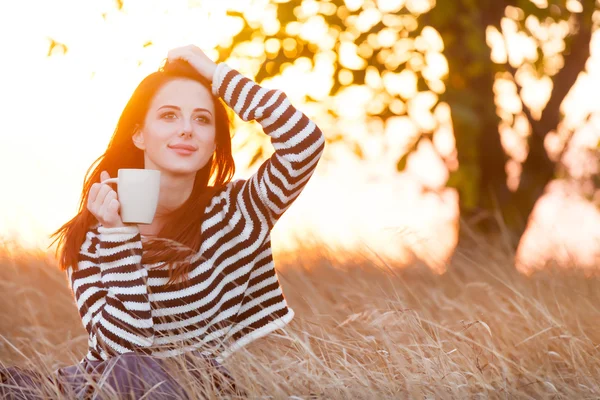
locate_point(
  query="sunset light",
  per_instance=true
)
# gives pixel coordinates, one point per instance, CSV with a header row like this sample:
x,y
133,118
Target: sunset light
x,y
72,77
414,211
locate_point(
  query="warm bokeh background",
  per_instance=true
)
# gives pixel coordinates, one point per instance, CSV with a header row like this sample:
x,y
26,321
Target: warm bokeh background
x,y
445,123
398,86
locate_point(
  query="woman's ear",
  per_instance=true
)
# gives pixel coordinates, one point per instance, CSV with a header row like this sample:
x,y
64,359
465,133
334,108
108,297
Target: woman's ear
x,y
138,138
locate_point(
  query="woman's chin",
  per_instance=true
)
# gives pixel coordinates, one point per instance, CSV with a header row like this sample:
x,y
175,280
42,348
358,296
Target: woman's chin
x,y
180,170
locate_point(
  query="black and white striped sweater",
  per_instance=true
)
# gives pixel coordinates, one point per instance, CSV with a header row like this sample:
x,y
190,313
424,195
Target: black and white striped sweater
x,y
233,296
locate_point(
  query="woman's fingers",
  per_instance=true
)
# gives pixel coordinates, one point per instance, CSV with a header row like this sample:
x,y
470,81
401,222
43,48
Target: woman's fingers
x,y
93,194
104,210
97,193
96,187
113,207
196,57
105,189
103,202
177,53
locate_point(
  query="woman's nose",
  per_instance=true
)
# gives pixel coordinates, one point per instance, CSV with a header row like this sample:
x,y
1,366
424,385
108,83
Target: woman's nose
x,y
187,126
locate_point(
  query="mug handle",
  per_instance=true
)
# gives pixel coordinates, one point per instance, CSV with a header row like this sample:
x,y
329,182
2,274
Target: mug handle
x,y
110,180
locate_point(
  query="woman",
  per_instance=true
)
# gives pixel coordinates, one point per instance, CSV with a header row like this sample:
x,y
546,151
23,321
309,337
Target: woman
x,y
198,281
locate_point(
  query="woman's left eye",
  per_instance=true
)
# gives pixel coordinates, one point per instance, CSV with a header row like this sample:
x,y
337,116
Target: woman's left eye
x,y
203,118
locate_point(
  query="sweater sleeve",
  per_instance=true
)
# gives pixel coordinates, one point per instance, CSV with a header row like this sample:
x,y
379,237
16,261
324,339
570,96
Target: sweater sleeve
x,y
110,289
298,142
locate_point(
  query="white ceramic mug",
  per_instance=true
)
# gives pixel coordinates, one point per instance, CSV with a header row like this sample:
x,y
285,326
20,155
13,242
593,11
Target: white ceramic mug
x,y
138,191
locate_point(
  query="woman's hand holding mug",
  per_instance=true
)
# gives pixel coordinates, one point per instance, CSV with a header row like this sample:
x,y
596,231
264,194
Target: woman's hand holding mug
x,y
103,203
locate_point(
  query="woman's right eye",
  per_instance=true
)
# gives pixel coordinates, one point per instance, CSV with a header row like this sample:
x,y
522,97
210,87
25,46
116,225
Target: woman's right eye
x,y
167,114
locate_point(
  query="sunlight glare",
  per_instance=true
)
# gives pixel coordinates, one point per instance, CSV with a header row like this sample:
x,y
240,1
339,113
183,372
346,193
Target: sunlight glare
x,y
315,29
52,136
390,6
419,6
367,19
419,110
353,5
348,56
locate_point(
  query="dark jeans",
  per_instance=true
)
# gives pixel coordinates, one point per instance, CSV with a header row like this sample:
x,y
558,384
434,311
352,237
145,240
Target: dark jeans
x,y
129,375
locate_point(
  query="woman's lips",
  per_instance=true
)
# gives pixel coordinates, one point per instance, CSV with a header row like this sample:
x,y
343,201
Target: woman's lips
x,y
182,151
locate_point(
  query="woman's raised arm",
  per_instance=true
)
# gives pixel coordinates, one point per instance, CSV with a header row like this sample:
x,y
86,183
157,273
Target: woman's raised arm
x,y
298,142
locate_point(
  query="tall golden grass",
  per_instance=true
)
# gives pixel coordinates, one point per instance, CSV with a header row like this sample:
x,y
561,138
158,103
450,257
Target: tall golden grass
x,y
365,328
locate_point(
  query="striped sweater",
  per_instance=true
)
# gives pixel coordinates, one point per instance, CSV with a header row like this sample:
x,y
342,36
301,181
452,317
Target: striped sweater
x,y
232,295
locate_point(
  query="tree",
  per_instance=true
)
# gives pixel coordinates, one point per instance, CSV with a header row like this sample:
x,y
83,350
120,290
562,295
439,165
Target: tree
x,y
481,178
472,91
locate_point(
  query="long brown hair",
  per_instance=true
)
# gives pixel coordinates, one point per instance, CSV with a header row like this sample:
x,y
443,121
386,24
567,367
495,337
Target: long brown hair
x,y
179,239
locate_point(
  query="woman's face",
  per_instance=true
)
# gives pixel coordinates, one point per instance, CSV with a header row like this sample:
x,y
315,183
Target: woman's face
x,y
181,113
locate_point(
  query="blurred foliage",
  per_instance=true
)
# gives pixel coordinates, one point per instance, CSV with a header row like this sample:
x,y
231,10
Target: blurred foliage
x,y
392,37
414,55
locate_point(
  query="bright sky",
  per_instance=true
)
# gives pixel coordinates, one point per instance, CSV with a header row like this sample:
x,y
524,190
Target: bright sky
x,y
60,111
63,109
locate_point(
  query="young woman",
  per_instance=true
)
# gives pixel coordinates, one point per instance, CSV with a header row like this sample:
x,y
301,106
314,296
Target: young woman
x,y
199,281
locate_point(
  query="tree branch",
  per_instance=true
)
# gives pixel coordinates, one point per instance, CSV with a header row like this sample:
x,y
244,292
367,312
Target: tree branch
x,y
564,80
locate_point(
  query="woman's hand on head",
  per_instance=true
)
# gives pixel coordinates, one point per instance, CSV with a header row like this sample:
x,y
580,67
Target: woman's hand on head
x,y
196,58
103,203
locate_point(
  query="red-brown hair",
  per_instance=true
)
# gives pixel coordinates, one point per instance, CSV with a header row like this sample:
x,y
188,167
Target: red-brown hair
x,y
179,239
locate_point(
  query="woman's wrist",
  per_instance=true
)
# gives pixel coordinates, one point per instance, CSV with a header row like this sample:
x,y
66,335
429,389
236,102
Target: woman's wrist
x,y
212,68
116,230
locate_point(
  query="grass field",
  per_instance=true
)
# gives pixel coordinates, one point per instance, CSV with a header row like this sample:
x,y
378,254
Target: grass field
x,y
367,329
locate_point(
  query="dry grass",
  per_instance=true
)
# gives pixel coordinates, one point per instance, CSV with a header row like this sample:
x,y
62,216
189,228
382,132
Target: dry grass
x,y
365,329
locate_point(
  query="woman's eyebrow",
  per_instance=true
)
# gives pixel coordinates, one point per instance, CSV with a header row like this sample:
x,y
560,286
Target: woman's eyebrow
x,y
177,108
